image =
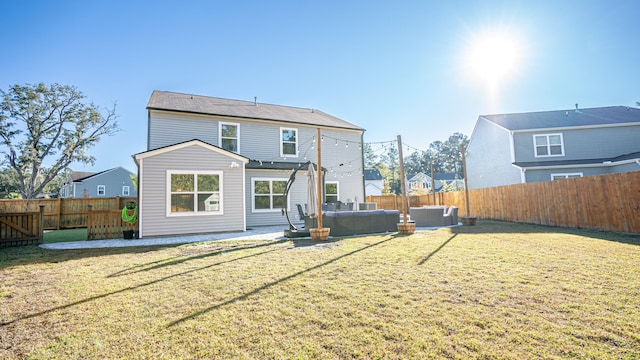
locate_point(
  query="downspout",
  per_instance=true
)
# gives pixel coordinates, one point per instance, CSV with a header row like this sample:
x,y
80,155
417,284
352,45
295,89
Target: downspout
x,y
364,184
523,175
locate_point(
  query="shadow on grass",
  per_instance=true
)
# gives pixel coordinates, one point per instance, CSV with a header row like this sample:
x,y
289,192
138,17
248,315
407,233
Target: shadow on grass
x,y
176,260
495,226
33,254
130,288
277,282
426,258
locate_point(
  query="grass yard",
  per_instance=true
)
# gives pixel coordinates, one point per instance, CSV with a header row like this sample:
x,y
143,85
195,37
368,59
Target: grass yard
x,y
493,291
65,235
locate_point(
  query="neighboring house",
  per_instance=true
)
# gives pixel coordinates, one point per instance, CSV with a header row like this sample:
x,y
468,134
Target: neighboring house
x,y
373,182
219,165
421,182
108,183
541,146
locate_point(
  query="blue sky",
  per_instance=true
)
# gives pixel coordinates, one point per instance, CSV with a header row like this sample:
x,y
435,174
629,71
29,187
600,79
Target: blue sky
x,y
393,68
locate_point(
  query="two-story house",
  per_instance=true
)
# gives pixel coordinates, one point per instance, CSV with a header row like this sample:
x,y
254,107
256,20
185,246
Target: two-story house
x,y
219,165
109,183
421,183
542,146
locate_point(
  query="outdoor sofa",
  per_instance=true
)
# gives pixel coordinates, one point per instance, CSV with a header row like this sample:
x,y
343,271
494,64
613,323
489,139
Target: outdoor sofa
x,y
434,216
344,223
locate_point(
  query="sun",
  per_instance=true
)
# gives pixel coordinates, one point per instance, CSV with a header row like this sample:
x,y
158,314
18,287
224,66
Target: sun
x,y
494,57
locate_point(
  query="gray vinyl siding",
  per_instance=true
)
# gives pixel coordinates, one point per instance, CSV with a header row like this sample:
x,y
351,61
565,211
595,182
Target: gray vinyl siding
x,y
593,143
167,128
489,157
634,166
153,206
113,180
545,174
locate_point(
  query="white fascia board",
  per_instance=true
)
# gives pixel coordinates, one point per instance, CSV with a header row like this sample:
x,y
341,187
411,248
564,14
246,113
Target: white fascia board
x,y
576,166
564,128
186,144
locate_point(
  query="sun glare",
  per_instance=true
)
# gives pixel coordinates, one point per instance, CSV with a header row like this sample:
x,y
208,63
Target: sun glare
x,y
493,57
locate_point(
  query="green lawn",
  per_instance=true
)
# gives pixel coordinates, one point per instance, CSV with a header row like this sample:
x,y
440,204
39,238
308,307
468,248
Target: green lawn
x,y
65,235
493,291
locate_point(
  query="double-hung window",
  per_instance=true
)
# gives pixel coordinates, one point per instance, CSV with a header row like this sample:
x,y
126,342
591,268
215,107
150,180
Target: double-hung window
x,y
548,145
102,190
125,190
229,136
330,191
288,142
194,192
268,194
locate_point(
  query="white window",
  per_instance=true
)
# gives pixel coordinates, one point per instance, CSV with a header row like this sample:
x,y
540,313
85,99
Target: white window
x,y
288,142
331,191
125,190
565,176
194,192
102,190
229,136
548,145
267,194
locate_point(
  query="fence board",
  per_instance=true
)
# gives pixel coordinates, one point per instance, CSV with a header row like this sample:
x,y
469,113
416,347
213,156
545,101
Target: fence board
x,y
605,202
63,213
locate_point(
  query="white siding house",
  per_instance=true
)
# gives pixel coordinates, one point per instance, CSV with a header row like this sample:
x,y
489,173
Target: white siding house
x,y
265,142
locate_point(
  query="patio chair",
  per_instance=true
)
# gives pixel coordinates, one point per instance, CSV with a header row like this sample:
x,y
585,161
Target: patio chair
x,y
428,217
451,216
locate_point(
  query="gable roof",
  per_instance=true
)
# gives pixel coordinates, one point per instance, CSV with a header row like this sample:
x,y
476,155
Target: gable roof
x,y
372,174
602,116
197,104
184,144
79,176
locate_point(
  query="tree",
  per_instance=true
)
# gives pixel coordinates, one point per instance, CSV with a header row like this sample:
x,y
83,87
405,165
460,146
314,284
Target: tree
x,y
9,186
45,129
370,158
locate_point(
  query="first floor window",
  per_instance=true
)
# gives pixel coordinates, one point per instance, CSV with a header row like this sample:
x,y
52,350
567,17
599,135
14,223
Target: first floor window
x,y
565,176
330,191
102,190
125,190
548,145
268,194
195,192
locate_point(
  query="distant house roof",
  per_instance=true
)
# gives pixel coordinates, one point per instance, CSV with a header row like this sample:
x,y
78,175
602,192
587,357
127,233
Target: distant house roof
x,y
436,176
197,104
372,174
611,115
78,176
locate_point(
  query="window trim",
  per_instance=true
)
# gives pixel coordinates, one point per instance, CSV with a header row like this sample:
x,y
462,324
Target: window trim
x,y
104,190
535,146
337,195
195,199
253,195
566,175
237,125
127,192
281,141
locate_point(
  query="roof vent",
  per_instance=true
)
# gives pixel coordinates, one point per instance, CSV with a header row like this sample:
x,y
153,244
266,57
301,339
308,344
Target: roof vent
x,y
255,101
577,108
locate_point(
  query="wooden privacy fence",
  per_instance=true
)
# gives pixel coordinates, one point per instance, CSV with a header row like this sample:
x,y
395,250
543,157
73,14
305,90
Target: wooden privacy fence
x,y
21,228
64,213
605,202
107,224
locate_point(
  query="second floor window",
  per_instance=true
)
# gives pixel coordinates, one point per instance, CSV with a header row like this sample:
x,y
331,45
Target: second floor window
x,y
102,190
288,142
548,145
125,190
230,136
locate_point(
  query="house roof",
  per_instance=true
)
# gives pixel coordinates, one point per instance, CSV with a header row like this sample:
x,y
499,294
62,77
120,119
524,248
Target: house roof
x,y
278,165
595,161
436,176
197,104
372,174
180,145
611,115
80,175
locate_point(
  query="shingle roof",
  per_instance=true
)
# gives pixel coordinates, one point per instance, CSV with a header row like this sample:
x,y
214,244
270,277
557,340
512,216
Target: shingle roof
x,y
197,104
610,115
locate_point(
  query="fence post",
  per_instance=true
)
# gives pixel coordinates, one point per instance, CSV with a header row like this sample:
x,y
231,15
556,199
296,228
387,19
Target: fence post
x,y
41,224
89,222
59,213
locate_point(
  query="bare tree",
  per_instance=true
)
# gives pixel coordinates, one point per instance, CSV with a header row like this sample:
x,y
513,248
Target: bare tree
x,y
45,129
